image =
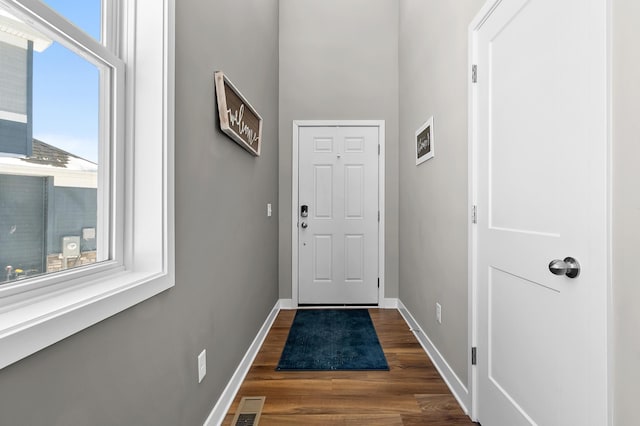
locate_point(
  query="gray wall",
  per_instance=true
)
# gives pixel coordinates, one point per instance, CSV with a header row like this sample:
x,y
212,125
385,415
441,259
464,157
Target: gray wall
x,y
626,210
433,195
139,367
338,60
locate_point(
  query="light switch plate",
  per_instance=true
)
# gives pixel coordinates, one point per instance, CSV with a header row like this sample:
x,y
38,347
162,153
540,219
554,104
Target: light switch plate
x,y
202,365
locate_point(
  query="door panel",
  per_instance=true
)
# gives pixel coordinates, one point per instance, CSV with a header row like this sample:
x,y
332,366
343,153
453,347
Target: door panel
x,y
323,144
541,137
531,132
354,258
323,254
354,144
338,247
513,303
354,192
323,190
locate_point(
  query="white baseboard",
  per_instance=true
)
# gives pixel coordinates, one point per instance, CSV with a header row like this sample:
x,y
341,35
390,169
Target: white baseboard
x,y
386,303
226,399
389,303
287,304
457,387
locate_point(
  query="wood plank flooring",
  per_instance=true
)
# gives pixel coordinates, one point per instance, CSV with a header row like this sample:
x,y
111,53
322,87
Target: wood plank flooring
x,y
411,393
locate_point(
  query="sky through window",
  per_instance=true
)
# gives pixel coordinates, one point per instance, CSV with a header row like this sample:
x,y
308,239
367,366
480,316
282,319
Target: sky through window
x,y
66,87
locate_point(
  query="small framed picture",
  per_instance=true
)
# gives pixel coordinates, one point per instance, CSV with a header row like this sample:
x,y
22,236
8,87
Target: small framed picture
x,y
424,142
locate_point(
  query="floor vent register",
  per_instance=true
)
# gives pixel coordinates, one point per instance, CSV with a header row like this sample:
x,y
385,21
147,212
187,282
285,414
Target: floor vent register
x,y
249,410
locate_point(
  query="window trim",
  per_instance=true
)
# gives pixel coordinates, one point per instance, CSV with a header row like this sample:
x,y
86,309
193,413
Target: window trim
x,y
34,317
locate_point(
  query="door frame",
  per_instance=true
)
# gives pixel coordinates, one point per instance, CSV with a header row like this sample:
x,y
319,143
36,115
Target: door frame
x,y
297,124
483,14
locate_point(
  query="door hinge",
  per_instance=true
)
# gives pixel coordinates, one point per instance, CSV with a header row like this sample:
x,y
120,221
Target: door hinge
x,y
473,356
378,282
474,73
378,149
474,214
378,215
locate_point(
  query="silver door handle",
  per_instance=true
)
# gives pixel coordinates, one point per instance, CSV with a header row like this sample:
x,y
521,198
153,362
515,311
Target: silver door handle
x,y
569,267
304,225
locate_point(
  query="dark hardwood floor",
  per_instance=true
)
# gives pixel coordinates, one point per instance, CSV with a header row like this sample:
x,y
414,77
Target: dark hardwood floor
x,y
411,393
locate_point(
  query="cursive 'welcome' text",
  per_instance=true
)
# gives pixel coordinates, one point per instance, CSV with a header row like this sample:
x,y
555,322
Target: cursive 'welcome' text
x,y
236,119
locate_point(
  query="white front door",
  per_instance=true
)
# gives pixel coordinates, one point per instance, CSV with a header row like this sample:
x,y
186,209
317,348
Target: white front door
x,y
541,150
338,215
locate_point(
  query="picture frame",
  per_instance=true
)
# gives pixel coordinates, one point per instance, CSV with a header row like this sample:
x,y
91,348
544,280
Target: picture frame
x,y
424,142
238,119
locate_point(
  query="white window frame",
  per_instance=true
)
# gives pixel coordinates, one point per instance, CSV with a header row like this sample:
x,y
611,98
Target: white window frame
x,y
43,311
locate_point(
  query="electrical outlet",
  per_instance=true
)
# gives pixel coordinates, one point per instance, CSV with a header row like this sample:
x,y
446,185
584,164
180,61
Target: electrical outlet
x,y
438,313
202,365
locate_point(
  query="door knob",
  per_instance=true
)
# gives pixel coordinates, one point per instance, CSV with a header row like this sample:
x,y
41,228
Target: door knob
x,y
304,225
569,267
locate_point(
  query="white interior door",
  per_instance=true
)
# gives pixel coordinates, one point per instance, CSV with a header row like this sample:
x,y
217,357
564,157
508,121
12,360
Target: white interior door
x,y
541,152
338,225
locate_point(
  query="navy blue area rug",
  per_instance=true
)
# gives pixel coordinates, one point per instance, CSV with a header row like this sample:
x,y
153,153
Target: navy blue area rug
x,y
332,339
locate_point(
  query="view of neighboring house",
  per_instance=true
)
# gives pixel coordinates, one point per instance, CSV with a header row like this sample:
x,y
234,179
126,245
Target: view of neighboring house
x,y
18,41
48,197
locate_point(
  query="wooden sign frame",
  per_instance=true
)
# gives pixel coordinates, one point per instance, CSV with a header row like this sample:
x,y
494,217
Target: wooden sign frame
x,y
238,119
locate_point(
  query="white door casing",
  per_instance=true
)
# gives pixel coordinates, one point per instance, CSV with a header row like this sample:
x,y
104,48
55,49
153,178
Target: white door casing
x,y
338,249
539,142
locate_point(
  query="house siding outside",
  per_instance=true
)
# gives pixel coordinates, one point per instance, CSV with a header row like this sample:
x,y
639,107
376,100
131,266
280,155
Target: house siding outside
x,y
22,223
16,74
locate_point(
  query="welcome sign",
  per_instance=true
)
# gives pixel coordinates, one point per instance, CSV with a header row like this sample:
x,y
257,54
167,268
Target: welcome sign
x,y
238,119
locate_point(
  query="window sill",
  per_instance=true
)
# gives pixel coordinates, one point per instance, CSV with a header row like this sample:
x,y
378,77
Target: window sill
x,y
26,328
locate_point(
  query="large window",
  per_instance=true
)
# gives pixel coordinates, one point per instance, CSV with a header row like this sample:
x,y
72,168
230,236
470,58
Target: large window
x,y
80,237
55,130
